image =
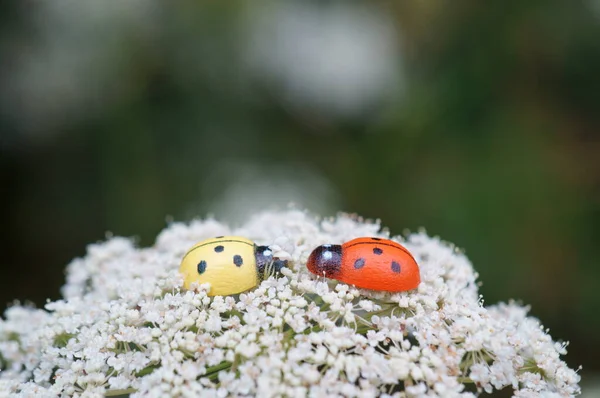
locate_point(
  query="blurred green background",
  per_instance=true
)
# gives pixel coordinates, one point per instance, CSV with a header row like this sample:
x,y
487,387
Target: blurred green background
x,y
478,122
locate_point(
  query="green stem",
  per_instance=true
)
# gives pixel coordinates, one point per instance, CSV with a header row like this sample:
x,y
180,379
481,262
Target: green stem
x,y
217,368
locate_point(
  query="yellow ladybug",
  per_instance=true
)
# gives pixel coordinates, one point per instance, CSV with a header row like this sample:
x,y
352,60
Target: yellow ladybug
x,y
231,264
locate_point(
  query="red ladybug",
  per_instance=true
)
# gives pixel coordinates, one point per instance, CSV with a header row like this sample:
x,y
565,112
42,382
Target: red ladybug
x,y
369,263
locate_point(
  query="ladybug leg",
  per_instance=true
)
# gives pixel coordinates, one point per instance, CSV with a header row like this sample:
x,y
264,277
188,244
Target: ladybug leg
x,y
274,268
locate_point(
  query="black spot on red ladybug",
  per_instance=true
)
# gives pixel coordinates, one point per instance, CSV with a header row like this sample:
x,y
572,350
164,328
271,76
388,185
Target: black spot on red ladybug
x,y
377,251
237,260
201,267
219,248
376,238
395,267
358,264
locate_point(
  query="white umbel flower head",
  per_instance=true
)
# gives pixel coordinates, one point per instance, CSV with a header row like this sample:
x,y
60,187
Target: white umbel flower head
x,y
126,326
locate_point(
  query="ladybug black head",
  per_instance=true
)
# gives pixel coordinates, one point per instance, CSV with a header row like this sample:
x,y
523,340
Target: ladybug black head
x,y
325,260
267,264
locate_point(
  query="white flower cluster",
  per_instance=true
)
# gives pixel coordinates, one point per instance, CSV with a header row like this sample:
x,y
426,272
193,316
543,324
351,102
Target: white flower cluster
x,y
125,326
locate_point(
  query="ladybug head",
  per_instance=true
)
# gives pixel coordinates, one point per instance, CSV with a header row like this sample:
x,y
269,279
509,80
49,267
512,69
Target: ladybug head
x,y
325,260
267,264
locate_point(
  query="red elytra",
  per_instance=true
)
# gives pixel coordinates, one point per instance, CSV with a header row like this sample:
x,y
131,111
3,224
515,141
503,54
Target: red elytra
x,y
369,263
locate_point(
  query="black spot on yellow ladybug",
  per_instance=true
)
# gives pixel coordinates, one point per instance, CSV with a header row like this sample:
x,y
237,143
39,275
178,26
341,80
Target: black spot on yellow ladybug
x,y
238,260
201,267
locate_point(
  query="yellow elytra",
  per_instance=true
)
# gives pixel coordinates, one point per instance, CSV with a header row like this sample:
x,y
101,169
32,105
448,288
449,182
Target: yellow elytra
x,y
231,264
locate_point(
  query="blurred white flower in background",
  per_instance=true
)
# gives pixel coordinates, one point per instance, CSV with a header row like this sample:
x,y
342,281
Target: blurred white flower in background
x,y
339,59
126,327
250,187
73,62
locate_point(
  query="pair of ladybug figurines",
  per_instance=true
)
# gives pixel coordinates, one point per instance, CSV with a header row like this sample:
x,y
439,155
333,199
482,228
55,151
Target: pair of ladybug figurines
x,y
232,264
